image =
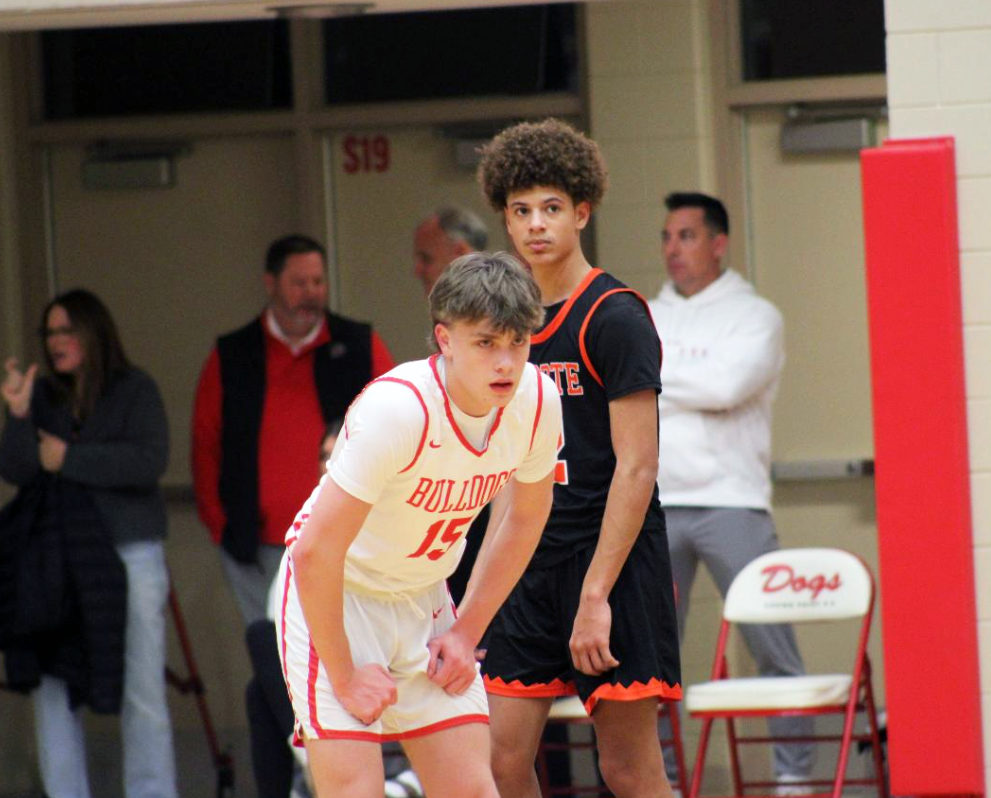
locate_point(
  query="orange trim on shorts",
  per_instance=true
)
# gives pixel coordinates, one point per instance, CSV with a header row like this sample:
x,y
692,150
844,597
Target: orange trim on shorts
x,y
617,692
516,688
372,737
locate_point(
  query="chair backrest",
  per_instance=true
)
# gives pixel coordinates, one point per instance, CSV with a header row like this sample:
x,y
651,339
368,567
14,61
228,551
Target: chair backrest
x,y
798,585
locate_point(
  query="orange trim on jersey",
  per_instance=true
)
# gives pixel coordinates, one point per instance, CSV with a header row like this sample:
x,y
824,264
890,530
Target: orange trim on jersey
x,y
426,414
516,688
372,737
588,317
634,692
562,314
450,415
540,405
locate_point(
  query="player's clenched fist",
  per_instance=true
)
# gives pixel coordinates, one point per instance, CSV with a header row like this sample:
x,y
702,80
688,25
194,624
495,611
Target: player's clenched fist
x,y
452,662
589,642
368,692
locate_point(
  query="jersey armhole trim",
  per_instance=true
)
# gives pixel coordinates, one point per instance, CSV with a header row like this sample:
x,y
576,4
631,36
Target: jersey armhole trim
x,y
562,314
588,318
419,397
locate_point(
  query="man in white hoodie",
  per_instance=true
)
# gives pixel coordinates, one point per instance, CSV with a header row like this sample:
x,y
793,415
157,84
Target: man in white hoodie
x,y
723,354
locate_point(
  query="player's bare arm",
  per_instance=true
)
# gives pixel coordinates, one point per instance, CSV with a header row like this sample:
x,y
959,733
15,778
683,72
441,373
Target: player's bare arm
x,y
630,418
500,564
318,560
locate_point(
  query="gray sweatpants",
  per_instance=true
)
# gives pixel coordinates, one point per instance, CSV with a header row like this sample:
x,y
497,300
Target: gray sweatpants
x,y
250,581
726,539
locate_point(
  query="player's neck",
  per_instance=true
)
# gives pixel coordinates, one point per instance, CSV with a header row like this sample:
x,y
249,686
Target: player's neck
x,y
558,280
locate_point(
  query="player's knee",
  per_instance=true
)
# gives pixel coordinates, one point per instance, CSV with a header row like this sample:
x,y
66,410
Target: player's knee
x,y
509,767
621,776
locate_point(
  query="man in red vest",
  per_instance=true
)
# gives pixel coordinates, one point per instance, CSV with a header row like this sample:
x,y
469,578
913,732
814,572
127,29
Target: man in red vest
x,y
264,398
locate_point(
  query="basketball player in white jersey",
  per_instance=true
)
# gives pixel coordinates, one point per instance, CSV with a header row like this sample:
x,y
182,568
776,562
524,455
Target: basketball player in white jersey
x,y
372,648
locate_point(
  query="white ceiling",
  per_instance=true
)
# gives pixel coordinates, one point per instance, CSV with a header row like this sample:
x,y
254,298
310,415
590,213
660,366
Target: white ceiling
x,y
35,14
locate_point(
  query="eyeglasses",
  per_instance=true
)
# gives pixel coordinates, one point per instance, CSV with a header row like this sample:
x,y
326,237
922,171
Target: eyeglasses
x,y
51,332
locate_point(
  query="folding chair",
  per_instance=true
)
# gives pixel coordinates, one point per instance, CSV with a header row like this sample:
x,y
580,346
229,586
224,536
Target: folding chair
x,y
192,683
793,586
570,712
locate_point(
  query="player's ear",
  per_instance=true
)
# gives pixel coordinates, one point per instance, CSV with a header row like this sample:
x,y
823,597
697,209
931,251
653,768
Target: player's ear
x,y
442,336
583,212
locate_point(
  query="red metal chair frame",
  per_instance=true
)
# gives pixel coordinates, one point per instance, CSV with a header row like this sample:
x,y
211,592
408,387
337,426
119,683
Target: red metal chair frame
x,y
861,700
598,790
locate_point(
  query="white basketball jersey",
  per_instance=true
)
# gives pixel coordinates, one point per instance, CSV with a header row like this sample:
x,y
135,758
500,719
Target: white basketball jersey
x,y
404,451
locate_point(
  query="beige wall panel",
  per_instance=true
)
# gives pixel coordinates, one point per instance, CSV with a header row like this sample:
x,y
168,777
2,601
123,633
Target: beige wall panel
x,y
631,38
982,565
631,258
177,266
644,106
977,344
979,433
973,200
975,270
808,258
612,42
375,214
980,495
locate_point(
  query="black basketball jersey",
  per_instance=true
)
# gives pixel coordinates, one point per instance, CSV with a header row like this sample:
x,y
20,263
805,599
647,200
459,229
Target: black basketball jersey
x,y
598,345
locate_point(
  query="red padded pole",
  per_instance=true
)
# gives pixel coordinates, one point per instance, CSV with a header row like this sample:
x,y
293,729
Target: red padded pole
x,y
922,477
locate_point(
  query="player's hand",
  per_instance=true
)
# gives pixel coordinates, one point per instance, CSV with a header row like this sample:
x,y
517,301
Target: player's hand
x,y
17,387
452,662
51,451
589,642
367,693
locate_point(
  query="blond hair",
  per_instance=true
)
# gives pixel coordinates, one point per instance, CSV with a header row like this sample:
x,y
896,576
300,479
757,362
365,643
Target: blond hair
x,y
487,286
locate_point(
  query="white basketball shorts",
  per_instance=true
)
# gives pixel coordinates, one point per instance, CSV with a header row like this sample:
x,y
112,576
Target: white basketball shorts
x,y
383,629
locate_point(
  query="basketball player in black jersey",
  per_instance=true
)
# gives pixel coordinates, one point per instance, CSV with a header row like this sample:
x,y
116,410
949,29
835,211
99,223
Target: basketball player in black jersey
x,y
594,613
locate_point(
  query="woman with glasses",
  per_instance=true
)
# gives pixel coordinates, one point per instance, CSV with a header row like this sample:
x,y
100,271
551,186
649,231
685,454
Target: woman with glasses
x,y
92,432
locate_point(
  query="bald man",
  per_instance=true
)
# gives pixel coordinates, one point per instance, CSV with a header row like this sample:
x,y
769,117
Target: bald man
x,y
448,233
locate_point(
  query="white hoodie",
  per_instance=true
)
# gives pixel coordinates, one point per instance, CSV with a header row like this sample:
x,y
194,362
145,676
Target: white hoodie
x,y
723,354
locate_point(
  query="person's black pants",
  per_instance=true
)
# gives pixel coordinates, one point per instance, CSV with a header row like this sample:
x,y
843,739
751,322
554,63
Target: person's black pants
x,y
270,716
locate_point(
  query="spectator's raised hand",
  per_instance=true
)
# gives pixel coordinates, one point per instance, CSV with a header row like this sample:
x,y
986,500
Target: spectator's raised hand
x,y
17,387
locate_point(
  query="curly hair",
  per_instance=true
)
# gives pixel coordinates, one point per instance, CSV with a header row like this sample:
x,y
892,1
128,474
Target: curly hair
x,y
548,153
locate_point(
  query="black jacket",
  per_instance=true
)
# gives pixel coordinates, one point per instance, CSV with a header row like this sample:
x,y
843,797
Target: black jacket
x,y
118,454
63,594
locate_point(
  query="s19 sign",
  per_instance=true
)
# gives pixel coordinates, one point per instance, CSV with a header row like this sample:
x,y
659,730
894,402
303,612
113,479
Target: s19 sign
x,y
364,154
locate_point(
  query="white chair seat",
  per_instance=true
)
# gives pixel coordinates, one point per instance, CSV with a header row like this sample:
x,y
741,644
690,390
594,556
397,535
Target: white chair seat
x,y
569,707
772,692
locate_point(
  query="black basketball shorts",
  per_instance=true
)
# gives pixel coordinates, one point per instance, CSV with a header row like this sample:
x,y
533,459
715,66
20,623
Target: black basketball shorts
x,y
527,642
